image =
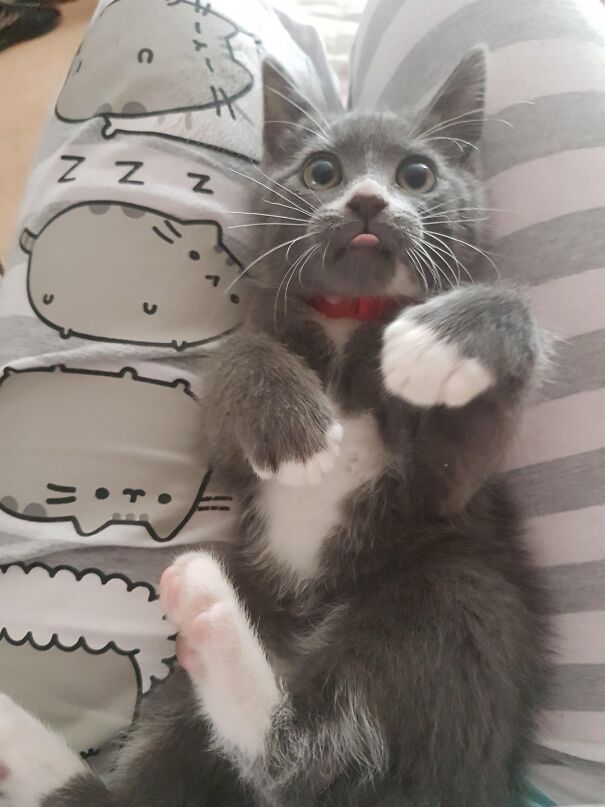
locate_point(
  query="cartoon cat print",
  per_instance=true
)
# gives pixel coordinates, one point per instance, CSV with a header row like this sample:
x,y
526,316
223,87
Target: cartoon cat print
x,y
218,66
112,648
122,273
96,449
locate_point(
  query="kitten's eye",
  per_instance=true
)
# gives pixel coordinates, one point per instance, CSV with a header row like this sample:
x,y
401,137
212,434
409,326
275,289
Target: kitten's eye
x,y
322,172
101,493
415,175
164,498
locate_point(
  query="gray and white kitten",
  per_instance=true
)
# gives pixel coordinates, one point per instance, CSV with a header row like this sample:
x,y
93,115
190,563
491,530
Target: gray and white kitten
x,y
377,636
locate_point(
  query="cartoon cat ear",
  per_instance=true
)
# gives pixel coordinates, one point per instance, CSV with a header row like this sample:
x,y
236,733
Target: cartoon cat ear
x,y
456,113
286,111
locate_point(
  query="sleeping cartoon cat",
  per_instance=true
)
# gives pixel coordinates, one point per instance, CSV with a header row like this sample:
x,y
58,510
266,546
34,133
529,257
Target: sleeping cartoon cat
x,y
119,272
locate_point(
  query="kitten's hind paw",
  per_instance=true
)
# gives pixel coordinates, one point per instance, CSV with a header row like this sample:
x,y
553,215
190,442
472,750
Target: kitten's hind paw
x,y
220,651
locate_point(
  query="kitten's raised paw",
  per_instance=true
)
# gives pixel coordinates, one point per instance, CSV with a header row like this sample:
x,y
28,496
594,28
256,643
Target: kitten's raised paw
x,y
309,472
421,367
220,651
192,586
33,761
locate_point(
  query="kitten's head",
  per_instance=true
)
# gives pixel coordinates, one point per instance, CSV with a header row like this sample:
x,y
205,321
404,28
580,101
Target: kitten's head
x,y
379,204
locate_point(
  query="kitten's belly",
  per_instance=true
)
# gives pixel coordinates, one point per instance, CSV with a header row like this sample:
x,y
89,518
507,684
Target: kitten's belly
x,y
299,519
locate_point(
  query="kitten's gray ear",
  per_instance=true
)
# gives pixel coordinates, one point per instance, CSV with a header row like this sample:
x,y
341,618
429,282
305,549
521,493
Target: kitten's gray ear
x,y
286,112
457,111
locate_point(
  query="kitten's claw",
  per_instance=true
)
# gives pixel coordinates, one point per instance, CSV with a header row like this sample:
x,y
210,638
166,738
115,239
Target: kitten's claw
x,y
310,472
220,651
423,368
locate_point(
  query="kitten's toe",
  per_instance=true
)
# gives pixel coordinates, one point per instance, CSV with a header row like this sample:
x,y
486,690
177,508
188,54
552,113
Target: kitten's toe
x,y
426,370
469,379
298,474
192,585
33,761
311,471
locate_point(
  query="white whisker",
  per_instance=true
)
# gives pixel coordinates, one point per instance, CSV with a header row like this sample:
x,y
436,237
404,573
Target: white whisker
x,y
466,244
264,255
266,215
271,190
299,126
288,190
298,91
265,224
320,128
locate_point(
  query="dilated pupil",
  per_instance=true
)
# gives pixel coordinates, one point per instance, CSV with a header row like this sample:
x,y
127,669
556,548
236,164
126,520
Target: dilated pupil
x,y
416,175
322,172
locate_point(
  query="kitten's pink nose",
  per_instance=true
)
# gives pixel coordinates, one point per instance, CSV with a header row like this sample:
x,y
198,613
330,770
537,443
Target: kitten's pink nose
x,y
366,205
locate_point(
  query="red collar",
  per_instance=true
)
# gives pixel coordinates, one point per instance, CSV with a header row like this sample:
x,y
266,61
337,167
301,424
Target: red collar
x,y
367,309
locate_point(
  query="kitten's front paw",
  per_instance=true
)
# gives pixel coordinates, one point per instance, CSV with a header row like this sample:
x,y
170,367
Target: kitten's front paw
x,y
33,761
422,367
307,472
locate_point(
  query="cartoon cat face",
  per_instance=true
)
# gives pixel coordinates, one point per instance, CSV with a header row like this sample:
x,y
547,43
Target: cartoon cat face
x,y
118,272
99,449
217,68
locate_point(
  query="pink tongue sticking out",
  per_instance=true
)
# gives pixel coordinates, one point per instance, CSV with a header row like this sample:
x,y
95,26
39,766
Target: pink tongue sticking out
x,y
367,240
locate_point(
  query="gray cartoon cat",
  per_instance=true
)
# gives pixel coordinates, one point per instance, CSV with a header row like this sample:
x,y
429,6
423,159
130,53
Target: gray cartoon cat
x,y
98,449
123,273
218,66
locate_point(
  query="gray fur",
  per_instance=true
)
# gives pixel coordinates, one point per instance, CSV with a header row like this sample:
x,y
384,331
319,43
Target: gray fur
x,y
413,662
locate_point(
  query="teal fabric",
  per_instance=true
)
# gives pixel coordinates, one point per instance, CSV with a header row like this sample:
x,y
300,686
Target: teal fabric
x,y
536,799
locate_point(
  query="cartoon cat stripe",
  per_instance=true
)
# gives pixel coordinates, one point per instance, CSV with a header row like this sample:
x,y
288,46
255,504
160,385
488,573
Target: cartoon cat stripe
x,y
118,272
98,449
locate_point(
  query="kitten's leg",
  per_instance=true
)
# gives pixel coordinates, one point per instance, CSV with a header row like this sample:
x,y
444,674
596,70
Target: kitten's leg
x,y
263,400
232,677
289,748
33,760
458,345
168,761
466,359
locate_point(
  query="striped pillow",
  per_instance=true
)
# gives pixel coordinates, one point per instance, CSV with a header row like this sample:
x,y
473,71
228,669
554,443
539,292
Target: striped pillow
x,y
545,170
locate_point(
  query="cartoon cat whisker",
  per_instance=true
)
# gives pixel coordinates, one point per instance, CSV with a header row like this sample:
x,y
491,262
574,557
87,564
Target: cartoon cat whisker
x,y
62,500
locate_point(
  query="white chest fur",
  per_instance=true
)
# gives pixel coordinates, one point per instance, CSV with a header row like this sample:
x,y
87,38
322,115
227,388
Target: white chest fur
x,y
300,519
